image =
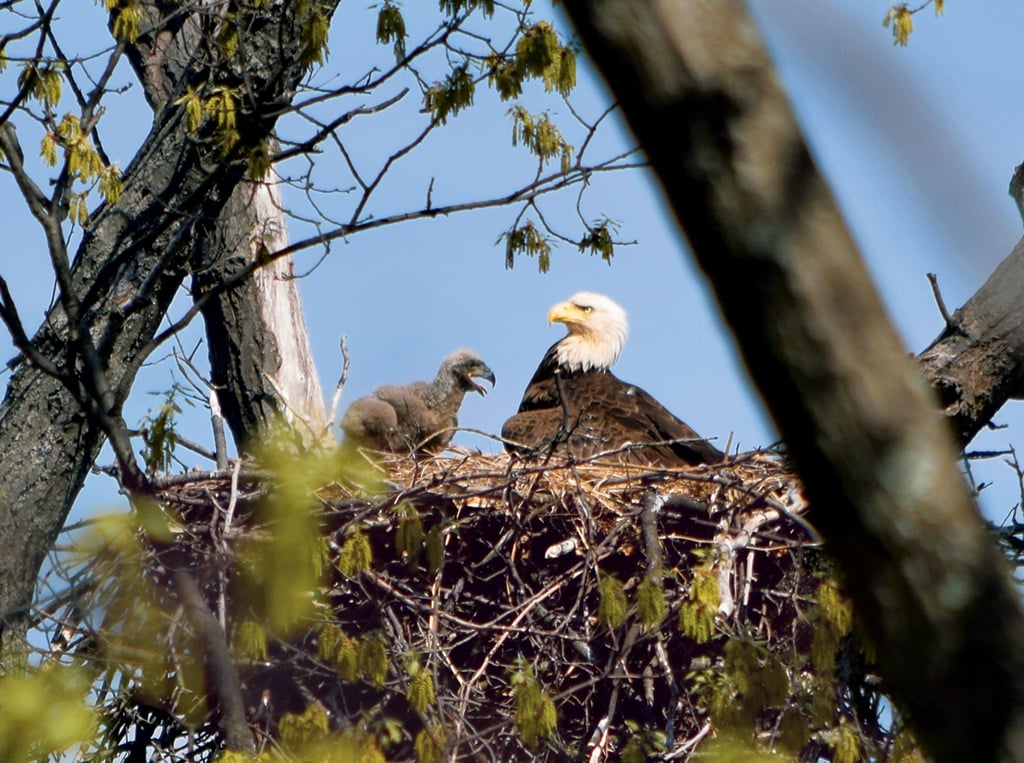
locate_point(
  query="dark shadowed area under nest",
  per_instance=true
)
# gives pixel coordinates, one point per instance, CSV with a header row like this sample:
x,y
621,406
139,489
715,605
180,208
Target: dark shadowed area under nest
x,y
486,608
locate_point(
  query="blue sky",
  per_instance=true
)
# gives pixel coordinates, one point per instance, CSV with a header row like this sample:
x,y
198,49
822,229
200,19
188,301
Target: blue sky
x,y
918,144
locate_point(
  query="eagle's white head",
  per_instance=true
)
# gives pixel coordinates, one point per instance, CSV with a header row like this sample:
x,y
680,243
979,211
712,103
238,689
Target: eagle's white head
x,y
597,331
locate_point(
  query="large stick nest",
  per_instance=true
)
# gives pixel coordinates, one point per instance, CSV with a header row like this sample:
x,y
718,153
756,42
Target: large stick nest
x,y
606,593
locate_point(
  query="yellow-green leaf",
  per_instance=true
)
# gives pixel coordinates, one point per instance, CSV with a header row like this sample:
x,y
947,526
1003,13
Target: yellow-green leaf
x,y
373,659
902,22
48,149
650,603
421,691
126,23
429,745
451,96
391,28
611,603
356,554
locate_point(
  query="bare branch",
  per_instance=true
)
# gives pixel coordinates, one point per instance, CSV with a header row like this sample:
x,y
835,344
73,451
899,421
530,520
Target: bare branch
x,y
947,319
339,388
223,688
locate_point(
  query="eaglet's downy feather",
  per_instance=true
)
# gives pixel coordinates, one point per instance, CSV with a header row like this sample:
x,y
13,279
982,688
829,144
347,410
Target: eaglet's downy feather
x,y
418,417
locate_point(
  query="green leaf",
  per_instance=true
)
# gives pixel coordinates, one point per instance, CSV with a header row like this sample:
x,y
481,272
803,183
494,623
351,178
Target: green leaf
x,y
611,603
527,239
650,603
451,96
356,554
391,28
536,717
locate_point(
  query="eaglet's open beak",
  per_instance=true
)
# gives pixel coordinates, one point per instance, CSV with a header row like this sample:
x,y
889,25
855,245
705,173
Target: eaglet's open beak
x,y
482,373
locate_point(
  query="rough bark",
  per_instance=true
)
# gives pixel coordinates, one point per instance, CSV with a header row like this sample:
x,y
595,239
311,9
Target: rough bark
x,y
125,272
879,466
261,362
977,363
260,359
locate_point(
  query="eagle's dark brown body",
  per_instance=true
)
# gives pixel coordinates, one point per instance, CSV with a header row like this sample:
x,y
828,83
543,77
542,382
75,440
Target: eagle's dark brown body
x,y
582,409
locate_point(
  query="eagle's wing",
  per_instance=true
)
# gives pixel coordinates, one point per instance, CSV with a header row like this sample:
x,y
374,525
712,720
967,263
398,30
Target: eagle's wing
x,y
415,419
632,415
372,423
603,413
542,390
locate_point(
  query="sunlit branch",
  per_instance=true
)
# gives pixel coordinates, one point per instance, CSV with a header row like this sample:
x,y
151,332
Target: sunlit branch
x,y
549,184
329,127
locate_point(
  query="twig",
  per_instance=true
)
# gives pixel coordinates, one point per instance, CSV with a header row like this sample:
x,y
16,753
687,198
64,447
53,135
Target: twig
x,y
934,281
194,446
332,419
229,515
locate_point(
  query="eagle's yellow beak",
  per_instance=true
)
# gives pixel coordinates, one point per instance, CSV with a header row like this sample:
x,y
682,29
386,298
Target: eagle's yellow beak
x,y
567,313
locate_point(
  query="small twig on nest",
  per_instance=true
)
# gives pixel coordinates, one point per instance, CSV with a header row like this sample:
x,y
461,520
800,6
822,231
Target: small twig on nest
x,y
342,380
233,502
934,281
598,741
691,744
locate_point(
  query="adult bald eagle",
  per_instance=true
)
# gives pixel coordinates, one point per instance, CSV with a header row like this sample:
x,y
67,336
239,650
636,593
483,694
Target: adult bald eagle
x,y
575,404
417,417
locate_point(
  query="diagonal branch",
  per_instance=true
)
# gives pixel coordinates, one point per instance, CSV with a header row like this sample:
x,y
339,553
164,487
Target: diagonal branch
x,y
700,93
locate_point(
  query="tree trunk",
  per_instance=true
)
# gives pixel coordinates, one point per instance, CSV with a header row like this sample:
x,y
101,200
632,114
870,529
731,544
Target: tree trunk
x,y
879,466
126,272
261,362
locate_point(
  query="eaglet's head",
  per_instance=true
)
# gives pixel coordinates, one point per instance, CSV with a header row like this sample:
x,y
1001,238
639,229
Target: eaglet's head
x,y
464,367
597,331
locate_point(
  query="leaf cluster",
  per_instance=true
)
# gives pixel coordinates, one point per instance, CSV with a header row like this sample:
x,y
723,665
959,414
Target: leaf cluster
x,y
901,18
540,136
539,54
157,432
536,716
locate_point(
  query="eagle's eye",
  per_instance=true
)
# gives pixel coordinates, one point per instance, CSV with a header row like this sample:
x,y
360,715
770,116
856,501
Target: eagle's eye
x,y
586,308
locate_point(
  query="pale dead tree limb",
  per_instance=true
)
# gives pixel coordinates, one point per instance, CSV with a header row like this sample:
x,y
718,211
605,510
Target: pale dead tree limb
x,y
879,466
260,356
217,422
339,388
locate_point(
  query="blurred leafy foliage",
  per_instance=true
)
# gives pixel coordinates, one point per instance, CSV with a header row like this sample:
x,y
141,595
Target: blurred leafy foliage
x,y
44,712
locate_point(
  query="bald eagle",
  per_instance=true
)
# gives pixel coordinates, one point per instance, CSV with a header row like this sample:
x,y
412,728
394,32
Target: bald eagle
x,y
420,416
576,405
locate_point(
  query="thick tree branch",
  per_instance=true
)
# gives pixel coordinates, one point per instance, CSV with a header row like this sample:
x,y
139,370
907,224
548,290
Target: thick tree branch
x,y
878,464
136,251
977,363
223,688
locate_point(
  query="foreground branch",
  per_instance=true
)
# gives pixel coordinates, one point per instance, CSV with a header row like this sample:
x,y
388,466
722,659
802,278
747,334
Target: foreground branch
x,y
700,93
